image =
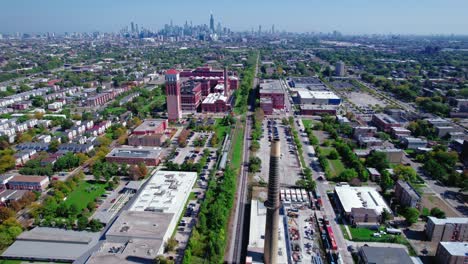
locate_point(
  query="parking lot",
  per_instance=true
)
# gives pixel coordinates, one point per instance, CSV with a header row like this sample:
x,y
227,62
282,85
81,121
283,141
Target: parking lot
x,y
111,202
191,152
289,167
189,217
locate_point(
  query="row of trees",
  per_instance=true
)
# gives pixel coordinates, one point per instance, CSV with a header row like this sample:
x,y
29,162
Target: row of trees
x,y
65,162
208,240
247,78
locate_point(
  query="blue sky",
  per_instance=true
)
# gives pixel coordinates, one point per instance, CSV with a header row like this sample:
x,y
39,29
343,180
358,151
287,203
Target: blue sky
x,y
347,16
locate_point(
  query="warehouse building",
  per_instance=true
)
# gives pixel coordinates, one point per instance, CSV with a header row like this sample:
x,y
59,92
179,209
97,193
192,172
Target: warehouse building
x,y
349,197
51,244
318,97
139,233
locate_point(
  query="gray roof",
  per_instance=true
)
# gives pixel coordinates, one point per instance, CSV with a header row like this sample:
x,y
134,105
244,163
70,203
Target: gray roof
x,y
44,243
144,225
456,248
386,255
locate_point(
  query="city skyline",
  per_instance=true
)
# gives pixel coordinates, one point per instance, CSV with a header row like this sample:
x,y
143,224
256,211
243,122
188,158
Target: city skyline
x,y
27,16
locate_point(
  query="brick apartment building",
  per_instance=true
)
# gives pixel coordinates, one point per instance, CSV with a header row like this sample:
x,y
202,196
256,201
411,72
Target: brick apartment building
x,y
452,253
33,183
407,195
448,229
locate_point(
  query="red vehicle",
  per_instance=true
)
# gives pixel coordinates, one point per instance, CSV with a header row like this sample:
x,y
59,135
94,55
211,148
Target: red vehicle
x,y
331,237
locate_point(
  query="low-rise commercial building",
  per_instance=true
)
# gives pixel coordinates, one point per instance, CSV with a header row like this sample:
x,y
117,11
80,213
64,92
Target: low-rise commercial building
x,y
384,122
448,229
140,232
349,197
150,156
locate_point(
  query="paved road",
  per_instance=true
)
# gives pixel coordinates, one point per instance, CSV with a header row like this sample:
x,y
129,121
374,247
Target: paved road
x,y
327,208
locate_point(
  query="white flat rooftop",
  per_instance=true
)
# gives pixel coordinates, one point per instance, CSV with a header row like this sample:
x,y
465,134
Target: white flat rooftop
x,y
213,97
456,248
165,192
448,220
317,95
257,234
361,197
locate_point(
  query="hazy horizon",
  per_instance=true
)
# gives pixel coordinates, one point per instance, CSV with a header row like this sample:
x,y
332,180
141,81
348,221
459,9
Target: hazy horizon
x,y
409,17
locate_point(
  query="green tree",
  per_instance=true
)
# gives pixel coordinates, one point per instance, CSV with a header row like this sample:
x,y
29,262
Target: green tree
x,y
385,215
6,213
386,181
333,155
436,212
377,160
53,146
82,223
406,173
347,175
411,215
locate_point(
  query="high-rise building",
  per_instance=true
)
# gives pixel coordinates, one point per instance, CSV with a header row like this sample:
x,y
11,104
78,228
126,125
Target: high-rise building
x,y
260,29
340,69
132,27
273,29
174,104
212,25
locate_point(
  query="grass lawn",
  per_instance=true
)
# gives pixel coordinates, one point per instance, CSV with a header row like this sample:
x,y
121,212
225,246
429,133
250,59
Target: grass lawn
x,y
85,193
116,110
307,123
10,261
366,235
336,166
237,147
220,130
157,100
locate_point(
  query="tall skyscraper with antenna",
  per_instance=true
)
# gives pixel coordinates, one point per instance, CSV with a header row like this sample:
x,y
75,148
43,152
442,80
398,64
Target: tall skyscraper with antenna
x,y
212,25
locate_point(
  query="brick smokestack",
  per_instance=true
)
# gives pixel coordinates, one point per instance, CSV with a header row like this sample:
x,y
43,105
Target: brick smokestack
x,y
270,251
226,84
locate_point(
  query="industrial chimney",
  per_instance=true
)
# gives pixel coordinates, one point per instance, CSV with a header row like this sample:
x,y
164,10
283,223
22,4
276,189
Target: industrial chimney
x,y
226,87
270,251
